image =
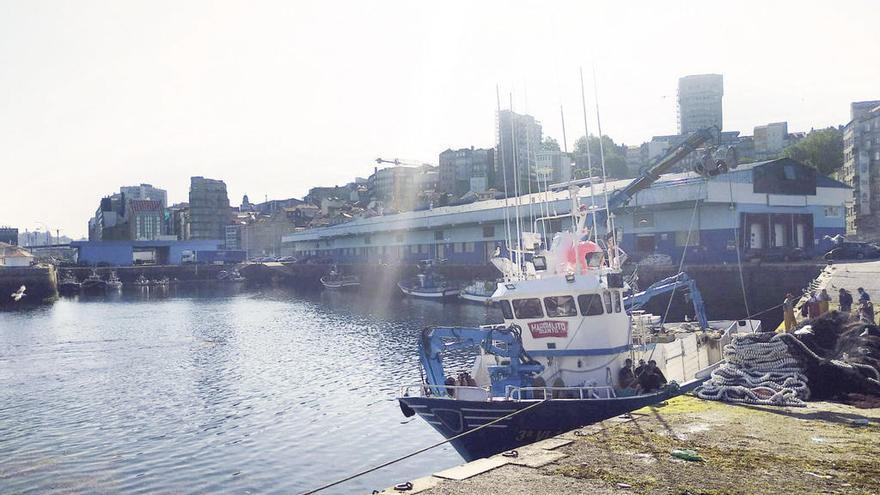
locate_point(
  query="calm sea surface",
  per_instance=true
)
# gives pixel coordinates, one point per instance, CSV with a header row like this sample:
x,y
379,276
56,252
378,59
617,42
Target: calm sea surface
x,y
207,391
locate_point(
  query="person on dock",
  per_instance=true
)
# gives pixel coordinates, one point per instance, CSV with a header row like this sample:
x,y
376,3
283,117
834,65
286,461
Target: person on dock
x,y
845,300
863,296
824,300
813,306
788,313
626,378
866,311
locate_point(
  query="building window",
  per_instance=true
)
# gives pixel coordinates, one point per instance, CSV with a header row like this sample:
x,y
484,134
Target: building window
x,y
368,239
458,247
488,231
832,211
645,244
681,238
469,247
438,235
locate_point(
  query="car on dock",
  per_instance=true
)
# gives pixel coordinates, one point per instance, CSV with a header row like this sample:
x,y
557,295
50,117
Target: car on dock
x,y
853,251
777,254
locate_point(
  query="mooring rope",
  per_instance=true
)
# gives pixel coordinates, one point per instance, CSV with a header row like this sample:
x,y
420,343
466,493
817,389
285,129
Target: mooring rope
x,y
417,452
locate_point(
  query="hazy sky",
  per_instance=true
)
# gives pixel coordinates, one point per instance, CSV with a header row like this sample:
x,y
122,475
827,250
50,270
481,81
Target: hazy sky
x,y
275,97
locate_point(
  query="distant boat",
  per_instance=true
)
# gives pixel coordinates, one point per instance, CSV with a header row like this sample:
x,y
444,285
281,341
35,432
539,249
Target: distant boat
x,y
479,291
335,280
162,282
141,281
68,285
113,282
230,276
94,285
428,284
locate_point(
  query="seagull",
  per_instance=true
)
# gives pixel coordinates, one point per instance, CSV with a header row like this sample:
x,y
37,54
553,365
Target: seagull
x,y
497,252
17,295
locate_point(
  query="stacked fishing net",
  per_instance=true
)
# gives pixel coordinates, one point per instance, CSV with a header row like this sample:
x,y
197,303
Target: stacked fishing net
x,y
759,369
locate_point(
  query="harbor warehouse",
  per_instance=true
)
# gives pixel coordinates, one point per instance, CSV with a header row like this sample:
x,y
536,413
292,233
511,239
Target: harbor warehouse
x,y
764,206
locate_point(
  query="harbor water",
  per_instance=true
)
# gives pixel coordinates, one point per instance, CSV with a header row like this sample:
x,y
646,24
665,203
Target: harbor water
x,y
214,391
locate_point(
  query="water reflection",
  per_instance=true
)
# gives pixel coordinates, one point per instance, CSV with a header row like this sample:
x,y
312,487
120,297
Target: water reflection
x,y
213,389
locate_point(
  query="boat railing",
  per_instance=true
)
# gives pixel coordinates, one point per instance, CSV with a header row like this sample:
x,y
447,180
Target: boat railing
x,y
466,392
463,392
560,393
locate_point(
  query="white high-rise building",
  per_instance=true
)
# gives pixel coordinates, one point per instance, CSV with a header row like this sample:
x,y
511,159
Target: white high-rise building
x,y
699,102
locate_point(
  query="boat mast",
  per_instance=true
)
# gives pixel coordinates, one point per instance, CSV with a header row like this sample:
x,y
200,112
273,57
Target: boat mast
x,y
609,223
516,186
589,159
503,170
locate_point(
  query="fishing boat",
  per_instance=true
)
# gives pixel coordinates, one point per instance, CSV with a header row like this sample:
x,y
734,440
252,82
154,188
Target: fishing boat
x,y
113,281
162,282
337,281
94,285
141,281
428,284
68,285
571,323
478,291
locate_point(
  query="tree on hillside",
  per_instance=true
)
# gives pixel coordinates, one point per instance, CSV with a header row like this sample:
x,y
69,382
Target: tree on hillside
x,y
615,156
822,149
549,144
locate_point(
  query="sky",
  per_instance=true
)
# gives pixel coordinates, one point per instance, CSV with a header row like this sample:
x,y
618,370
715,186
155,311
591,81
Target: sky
x,y
274,97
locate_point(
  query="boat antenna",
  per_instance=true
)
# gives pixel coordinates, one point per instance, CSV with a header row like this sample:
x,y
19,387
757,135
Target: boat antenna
x,y
608,221
530,165
589,159
503,168
516,180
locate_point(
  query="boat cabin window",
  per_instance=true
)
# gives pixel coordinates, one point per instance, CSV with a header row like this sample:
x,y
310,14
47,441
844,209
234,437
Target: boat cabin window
x,y
607,297
617,304
528,308
591,304
560,306
505,309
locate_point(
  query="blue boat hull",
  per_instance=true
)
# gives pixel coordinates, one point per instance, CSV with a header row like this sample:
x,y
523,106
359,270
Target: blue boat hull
x,y
550,418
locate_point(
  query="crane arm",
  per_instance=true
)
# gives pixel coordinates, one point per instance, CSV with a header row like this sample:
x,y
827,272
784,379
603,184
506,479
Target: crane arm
x,y
669,284
621,197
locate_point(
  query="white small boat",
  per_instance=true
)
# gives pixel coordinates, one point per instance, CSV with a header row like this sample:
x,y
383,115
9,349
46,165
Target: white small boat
x,y
113,282
334,280
429,285
478,291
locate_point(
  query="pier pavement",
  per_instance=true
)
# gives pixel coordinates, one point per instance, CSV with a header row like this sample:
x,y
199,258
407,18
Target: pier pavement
x,y
822,448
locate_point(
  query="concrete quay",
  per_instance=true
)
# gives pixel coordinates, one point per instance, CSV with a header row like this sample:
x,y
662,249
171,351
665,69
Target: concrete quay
x,y
822,448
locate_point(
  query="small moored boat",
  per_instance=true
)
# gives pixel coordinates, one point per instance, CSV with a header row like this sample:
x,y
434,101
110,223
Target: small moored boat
x,y
113,281
94,284
68,285
428,284
479,291
335,280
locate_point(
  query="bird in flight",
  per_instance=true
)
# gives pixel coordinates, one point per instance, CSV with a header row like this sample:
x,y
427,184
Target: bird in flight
x,y
17,295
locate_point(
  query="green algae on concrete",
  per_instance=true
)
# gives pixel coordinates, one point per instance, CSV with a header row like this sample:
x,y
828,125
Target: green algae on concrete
x,y
746,450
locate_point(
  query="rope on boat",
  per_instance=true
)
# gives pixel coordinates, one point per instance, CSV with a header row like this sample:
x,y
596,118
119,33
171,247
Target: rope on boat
x,y
759,369
424,449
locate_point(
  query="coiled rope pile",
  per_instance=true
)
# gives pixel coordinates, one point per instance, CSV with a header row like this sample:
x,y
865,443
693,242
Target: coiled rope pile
x,y
759,369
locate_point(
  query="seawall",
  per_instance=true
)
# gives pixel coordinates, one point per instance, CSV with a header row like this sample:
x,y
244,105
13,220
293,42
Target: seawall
x,y
765,284
40,285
